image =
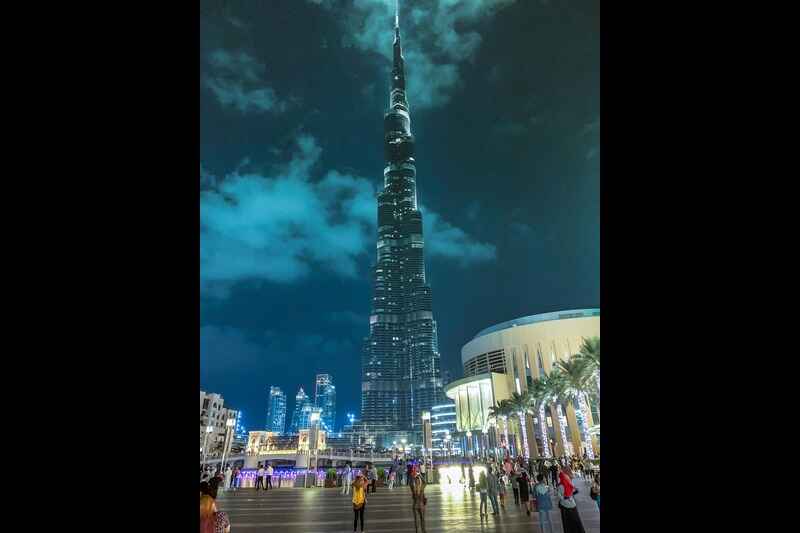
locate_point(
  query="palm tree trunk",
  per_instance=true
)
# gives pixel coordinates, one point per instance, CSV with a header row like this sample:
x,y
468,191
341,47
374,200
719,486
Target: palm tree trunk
x,y
543,431
561,420
582,418
505,431
521,416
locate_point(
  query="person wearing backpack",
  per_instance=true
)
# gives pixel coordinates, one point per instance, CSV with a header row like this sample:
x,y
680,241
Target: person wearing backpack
x,y
359,501
543,504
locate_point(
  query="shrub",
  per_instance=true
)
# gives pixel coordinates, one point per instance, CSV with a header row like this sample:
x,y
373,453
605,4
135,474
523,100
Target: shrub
x,y
330,474
381,473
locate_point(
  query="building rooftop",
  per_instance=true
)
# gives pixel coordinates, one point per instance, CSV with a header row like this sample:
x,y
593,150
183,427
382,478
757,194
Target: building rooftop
x,y
542,317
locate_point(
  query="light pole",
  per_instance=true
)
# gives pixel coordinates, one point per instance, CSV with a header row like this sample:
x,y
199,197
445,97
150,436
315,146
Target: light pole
x,y
228,425
209,429
312,442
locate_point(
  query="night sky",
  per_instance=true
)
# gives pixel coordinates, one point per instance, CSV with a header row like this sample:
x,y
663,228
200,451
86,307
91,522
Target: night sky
x,y
504,98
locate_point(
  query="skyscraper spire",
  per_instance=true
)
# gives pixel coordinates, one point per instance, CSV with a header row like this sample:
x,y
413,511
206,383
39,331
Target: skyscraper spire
x,y
397,15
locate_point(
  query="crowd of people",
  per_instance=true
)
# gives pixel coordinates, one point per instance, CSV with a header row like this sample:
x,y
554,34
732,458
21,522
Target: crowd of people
x,y
534,484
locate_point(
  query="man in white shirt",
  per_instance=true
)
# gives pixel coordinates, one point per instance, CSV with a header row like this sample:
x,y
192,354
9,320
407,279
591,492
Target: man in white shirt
x,y
260,477
268,484
347,479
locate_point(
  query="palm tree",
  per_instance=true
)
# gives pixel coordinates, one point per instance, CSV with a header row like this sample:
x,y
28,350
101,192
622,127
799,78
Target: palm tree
x,y
578,376
539,397
519,405
590,352
556,386
501,411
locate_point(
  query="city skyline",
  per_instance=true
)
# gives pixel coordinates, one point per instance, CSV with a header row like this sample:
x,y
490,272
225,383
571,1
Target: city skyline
x,y
508,120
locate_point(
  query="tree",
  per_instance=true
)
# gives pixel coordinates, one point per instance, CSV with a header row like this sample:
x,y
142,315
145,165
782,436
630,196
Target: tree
x,y
501,412
538,398
590,352
519,405
556,385
578,379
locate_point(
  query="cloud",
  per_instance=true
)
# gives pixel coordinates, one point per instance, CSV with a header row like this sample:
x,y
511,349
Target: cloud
x,y
281,227
439,39
236,79
444,240
278,228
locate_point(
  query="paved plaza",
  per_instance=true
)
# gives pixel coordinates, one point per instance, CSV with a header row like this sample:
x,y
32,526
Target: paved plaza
x,y
318,510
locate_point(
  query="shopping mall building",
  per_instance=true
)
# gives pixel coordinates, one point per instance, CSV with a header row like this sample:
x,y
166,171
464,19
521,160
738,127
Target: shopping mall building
x,y
506,358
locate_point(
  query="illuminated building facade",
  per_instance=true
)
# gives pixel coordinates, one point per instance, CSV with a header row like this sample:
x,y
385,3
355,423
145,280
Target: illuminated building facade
x,y
325,399
400,359
528,348
276,411
302,411
214,413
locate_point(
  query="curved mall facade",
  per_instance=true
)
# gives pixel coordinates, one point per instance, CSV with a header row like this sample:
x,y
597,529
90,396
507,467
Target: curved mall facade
x,y
517,352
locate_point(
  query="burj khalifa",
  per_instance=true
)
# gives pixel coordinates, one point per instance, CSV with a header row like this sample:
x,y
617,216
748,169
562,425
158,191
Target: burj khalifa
x,y
400,368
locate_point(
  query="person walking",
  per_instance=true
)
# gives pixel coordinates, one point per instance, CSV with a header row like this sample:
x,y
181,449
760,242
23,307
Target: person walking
x,y
594,492
260,477
570,519
228,475
268,483
471,480
515,485
483,490
359,501
234,478
554,473
211,520
524,490
541,491
501,491
419,501
392,476
347,478
372,477
492,489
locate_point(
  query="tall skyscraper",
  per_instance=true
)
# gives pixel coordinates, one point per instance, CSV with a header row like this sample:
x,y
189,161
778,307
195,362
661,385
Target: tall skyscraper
x,y
276,410
302,411
400,359
325,399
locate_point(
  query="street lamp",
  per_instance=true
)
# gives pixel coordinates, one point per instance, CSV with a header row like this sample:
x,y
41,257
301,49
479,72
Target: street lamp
x,y
209,429
312,441
229,423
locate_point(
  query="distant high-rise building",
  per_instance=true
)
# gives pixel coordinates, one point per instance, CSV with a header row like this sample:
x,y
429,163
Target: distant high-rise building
x,y
302,411
325,399
214,414
276,411
400,375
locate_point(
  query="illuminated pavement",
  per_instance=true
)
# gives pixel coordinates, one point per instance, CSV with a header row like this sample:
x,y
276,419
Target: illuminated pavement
x,y
290,510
